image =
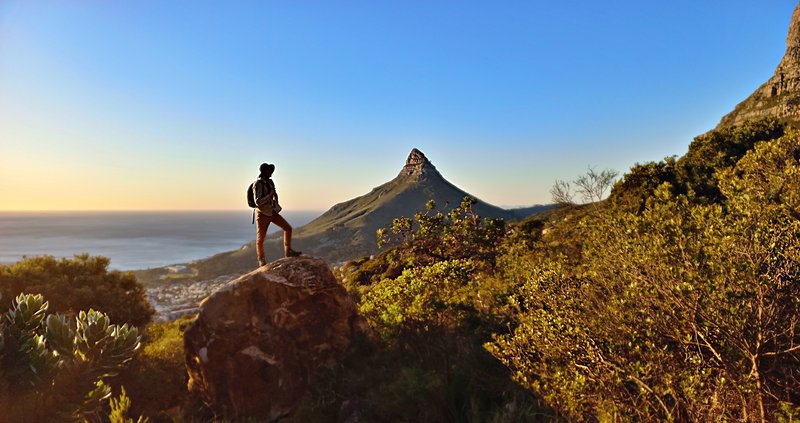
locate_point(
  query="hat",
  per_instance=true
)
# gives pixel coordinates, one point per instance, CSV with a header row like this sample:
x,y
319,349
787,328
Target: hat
x,y
266,168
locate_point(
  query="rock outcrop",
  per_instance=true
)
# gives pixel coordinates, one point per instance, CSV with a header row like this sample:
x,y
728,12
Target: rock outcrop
x,y
417,165
257,342
780,95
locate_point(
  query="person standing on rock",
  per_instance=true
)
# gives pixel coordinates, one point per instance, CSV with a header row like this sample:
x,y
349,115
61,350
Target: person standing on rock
x,y
267,211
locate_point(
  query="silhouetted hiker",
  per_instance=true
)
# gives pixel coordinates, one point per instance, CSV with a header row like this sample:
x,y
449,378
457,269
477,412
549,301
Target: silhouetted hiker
x,y
267,211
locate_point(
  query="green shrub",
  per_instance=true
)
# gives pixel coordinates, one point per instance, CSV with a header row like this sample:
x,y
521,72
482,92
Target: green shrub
x,y
55,370
156,378
81,283
435,236
683,311
433,302
120,407
639,184
421,299
696,173
721,149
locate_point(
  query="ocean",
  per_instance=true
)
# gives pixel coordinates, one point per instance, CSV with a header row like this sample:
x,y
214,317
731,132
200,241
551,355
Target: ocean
x,y
132,240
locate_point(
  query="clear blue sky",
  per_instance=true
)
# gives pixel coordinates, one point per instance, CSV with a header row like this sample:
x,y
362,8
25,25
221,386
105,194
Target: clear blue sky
x,y
173,105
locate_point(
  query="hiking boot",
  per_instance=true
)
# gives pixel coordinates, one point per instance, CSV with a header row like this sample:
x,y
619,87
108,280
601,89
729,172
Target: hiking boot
x,y
292,253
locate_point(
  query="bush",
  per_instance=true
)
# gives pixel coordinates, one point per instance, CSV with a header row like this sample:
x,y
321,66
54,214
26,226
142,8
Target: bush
x,y
54,370
421,299
639,184
81,283
433,303
435,236
696,173
120,407
683,311
156,378
721,149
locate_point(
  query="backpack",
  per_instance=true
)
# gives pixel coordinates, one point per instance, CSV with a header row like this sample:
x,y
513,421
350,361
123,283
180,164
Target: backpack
x,y
251,196
251,199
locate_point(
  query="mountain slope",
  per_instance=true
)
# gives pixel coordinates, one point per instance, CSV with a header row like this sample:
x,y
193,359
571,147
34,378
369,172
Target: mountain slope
x,y
417,183
347,230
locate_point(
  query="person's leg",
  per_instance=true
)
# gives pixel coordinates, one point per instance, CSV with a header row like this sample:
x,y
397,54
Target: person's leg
x,y
262,223
287,235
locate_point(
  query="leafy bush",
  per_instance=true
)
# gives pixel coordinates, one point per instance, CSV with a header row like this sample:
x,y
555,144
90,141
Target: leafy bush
x,y
81,283
676,299
156,378
721,149
696,174
421,299
433,303
683,311
54,370
639,184
120,407
435,236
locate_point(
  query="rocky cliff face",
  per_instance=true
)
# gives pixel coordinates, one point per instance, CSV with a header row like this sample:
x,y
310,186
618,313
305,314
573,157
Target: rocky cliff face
x,y
418,165
780,95
257,342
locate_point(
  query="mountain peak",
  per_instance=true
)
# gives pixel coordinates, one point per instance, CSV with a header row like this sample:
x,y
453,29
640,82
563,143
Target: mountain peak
x,y
780,95
417,164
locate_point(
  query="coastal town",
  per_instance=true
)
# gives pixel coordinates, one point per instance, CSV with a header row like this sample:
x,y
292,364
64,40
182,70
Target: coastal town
x,y
179,297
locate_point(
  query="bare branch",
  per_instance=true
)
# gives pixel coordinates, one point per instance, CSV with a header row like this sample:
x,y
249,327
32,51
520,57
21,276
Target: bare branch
x,y
561,193
592,186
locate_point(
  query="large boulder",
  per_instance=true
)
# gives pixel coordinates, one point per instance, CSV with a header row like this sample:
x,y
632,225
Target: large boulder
x,y
257,342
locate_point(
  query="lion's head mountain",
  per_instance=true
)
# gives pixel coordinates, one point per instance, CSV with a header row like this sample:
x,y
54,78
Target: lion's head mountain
x,y
348,229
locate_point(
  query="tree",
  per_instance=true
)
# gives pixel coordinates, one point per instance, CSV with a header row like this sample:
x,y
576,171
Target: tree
x,y
55,370
562,194
591,187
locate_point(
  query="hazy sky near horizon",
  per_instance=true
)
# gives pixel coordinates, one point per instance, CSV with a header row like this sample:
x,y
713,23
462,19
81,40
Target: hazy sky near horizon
x,y
153,105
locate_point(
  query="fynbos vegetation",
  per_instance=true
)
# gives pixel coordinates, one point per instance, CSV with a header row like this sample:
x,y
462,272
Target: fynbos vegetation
x,y
81,283
52,369
674,299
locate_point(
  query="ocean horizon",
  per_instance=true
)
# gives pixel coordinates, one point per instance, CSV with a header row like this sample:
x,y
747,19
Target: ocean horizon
x,y
132,240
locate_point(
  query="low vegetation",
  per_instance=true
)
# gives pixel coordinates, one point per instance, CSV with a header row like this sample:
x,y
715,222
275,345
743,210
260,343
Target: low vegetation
x,y
674,299
52,369
155,380
81,283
